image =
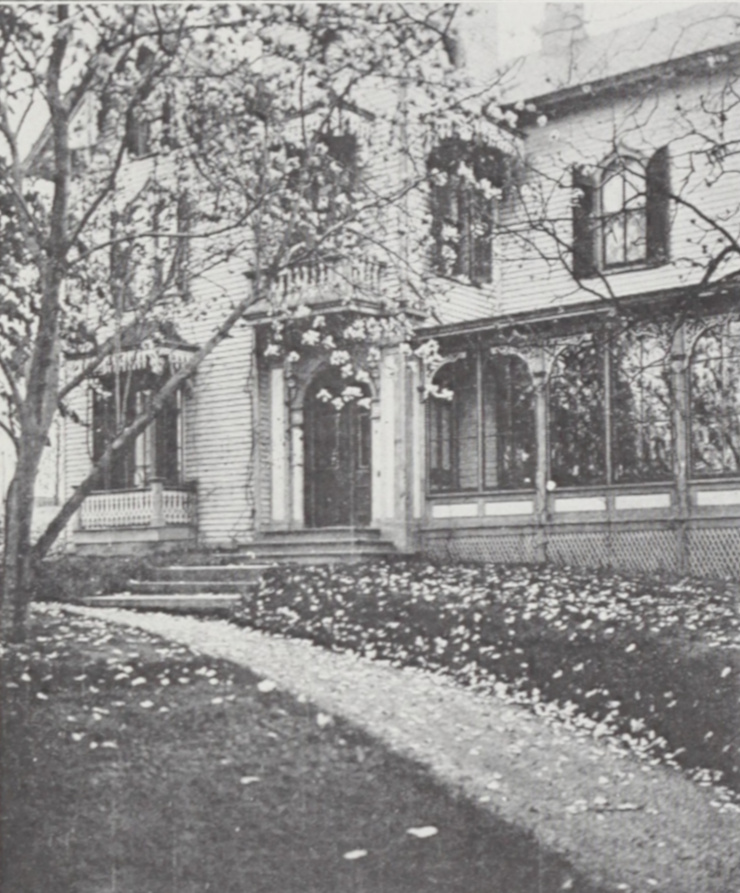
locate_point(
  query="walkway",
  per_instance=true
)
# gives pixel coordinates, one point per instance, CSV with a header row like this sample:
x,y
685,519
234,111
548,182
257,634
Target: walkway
x,y
625,824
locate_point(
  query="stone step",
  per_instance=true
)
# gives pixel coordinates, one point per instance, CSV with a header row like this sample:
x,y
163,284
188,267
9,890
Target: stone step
x,y
176,602
267,552
321,535
162,587
245,572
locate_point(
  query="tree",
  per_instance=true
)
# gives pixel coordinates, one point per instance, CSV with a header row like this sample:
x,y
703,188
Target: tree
x,y
179,139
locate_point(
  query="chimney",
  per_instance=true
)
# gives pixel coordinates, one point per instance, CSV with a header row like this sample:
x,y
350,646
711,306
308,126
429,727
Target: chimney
x,y
563,27
477,33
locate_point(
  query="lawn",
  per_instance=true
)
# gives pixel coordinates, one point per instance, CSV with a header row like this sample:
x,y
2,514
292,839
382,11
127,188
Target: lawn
x,y
648,663
131,764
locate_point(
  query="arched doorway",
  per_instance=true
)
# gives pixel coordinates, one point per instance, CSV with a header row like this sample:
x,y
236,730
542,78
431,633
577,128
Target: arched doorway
x,y
338,446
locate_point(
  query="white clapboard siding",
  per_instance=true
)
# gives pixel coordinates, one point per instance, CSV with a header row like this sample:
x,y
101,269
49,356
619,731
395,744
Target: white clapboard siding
x,y
530,282
219,442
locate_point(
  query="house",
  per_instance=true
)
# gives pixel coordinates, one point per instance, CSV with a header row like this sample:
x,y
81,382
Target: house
x,y
575,394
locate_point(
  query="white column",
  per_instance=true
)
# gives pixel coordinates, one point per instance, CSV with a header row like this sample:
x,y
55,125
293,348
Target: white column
x,y
387,436
296,467
418,444
278,452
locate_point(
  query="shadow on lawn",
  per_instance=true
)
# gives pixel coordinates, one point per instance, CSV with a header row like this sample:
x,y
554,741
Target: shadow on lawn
x,y
134,765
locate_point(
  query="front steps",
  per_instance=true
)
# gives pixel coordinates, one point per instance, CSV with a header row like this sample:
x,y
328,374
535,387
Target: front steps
x,y
323,545
215,588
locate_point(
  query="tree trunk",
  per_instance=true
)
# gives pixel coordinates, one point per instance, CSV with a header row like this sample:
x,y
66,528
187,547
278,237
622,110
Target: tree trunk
x,y
18,565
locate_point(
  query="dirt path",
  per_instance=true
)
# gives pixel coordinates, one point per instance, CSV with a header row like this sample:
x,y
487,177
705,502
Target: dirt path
x,y
625,824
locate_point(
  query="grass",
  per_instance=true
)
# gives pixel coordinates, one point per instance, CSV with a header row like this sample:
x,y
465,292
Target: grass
x,y
131,764
651,663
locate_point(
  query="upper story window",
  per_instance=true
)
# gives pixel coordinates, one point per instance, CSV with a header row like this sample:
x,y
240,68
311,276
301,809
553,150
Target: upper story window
x,y
463,221
465,178
621,214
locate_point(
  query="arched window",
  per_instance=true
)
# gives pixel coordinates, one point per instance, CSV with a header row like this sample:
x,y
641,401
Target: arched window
x,y
623,212
642,433
714,380
452,419
576,410
508,423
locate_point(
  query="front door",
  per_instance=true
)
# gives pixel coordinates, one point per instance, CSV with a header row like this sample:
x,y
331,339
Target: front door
x,y
338,455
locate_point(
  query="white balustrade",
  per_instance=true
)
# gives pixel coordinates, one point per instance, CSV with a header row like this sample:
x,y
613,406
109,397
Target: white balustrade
x,y
339,277
153,507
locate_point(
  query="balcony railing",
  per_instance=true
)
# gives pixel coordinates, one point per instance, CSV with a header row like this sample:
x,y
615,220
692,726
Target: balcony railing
x,y
339,279
159,505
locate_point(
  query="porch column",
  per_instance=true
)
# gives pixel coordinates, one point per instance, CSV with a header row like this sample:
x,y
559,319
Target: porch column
x,y
297,514
681,451
539,375
278,451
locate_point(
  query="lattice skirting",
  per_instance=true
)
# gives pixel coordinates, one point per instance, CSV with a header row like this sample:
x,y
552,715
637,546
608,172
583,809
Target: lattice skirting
x,y
481,546
714,551
702,552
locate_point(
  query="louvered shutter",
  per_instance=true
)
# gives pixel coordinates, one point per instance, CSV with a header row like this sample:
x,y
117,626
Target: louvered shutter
x,y
584,225
658,192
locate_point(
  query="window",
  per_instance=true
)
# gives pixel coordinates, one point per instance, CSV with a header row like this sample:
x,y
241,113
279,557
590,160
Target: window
x,y
621,214
138,133
576,410
642,432
463,177
117,400
324,185
463,223
714,382
453,428
508,424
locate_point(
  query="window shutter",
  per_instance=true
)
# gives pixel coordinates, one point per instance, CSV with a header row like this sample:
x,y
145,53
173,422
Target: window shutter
x,y
584,225
440,200
658,192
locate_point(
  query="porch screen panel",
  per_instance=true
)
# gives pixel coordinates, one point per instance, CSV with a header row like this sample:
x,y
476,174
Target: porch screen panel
x,y
509,423
642,433
576,416
466,416
715,402
452,418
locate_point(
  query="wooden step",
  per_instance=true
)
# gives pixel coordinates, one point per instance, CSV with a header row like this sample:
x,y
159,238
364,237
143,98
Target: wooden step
x,y
164,587
176,602
244,572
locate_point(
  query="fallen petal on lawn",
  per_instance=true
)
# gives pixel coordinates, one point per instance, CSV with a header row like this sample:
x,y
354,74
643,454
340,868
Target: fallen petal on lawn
x,y
355,854
146,704
266,686
248,779
217,700
140,680
424,831
77,736
323,720
111,745
41,696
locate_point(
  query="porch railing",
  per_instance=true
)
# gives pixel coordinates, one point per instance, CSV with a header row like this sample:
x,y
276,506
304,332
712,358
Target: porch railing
x,y
159,505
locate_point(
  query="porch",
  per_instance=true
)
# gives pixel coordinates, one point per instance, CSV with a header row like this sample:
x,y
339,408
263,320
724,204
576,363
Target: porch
x,y
158,515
